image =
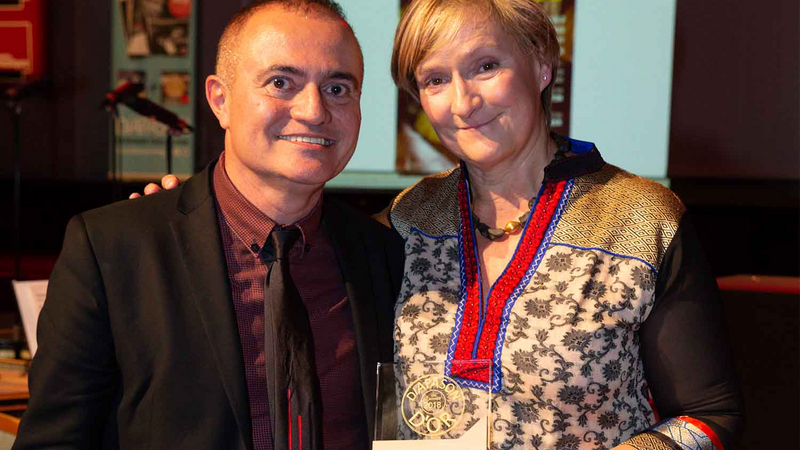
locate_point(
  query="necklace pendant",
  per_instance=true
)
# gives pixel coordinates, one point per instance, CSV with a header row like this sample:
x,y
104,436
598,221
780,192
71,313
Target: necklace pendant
x,y
512,227
494,234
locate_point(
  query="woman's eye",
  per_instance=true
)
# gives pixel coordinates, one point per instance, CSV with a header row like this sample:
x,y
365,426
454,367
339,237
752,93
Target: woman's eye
x,y
436,81
485,67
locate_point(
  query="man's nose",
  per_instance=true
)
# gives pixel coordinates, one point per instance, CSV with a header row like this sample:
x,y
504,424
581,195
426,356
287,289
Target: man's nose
x,y
309,106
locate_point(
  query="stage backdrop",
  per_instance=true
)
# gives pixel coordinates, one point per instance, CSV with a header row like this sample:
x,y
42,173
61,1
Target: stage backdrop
x,y
153,42
614,89
22,41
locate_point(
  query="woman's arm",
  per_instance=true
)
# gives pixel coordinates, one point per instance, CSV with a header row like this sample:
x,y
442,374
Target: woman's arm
x,y
686,355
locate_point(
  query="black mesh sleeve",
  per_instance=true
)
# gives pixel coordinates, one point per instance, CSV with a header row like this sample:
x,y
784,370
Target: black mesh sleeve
x,y
684,343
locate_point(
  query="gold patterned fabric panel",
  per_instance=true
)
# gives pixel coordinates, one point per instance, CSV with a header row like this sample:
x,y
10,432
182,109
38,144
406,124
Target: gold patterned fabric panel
x,y
430,205
620,213
649,441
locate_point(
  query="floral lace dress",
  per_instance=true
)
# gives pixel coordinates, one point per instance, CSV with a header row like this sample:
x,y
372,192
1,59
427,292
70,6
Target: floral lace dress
x,y
563,323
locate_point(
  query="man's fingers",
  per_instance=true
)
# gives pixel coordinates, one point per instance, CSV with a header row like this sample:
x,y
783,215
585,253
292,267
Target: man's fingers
x,y
151,188
169,181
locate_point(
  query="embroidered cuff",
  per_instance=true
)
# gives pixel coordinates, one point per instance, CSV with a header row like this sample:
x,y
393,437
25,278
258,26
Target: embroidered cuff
x,y
649,440
685,433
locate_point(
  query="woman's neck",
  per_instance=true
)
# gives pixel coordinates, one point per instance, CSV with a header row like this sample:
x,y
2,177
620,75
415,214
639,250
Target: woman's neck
x,y
500,192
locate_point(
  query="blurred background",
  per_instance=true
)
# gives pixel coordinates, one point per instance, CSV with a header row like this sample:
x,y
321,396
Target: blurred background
x,y
701,96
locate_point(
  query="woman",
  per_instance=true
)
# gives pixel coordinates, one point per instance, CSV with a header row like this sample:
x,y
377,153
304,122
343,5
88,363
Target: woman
x,y
583,281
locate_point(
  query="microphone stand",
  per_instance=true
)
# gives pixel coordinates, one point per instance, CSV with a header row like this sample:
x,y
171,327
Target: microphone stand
x,y
112,98
14,95
127,95
113,119
169,150
175,125
15,108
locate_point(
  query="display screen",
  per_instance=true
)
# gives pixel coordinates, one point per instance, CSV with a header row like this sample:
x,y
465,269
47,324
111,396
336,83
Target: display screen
x,y
613,89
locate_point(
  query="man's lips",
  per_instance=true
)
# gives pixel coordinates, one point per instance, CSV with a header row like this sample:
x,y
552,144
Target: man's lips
x,y
306,139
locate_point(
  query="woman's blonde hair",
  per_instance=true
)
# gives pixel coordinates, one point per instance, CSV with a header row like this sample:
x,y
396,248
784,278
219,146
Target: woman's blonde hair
x,y
426,25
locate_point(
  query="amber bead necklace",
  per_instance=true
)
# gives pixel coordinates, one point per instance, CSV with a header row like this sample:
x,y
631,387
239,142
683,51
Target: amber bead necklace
x,y
513,226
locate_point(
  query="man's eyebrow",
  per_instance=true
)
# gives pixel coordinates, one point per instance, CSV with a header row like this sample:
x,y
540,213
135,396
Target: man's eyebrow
x,y
281,68
338,75
331,75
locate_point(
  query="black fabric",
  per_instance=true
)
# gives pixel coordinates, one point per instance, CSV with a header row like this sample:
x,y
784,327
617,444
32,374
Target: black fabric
x,y
574,166
294,394
371,258
684,345
138,342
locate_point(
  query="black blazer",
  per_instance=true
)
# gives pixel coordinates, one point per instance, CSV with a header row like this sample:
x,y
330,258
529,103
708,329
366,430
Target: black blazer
x,y
138,342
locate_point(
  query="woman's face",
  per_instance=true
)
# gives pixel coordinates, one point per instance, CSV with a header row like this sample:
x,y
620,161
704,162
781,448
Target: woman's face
x,y
482,96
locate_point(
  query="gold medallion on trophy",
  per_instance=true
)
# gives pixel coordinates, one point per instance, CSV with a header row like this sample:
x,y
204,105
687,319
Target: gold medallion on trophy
x,y
433,405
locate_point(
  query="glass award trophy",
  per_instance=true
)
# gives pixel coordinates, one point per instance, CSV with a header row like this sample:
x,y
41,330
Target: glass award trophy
x,y
433,405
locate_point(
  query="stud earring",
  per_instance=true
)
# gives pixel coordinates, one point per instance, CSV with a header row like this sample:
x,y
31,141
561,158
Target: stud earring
x,y
544,77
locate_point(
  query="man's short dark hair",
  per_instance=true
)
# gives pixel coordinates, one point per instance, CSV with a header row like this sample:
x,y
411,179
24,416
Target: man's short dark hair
x,y
228,42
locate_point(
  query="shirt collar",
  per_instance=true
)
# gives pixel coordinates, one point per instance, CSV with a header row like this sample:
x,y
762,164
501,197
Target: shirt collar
x,y
583,159
248,223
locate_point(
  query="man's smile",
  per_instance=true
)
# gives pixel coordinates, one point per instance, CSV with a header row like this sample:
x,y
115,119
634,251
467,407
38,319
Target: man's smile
x,y
306,139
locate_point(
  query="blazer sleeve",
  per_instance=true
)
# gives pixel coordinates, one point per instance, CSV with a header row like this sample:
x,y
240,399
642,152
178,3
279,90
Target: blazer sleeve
x,y
687,357
74,378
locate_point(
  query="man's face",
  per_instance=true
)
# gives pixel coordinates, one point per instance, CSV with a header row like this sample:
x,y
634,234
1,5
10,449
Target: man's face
x,y
292,113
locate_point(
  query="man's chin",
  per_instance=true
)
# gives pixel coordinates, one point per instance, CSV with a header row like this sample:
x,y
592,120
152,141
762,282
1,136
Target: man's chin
x,y
314,170
311,178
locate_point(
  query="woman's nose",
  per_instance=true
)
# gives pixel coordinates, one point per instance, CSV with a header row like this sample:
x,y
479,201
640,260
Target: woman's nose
x,y
466,100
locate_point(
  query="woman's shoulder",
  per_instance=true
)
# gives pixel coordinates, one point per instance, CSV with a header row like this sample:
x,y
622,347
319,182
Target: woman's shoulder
x,y
617,187
622,213
430,205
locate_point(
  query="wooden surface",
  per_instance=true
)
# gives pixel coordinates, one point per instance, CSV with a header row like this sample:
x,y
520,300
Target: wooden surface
x,y
13,393
8,423
13,381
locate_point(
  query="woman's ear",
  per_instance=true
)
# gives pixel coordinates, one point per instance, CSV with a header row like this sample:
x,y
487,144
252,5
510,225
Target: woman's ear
x,y
545,76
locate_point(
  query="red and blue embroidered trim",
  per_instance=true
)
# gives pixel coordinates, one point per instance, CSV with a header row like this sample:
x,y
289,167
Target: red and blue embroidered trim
x,y
484,329
689,433
705,429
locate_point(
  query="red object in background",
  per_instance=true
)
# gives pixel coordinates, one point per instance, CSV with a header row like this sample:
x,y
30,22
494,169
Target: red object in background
x,y
180,8
22,46
760,283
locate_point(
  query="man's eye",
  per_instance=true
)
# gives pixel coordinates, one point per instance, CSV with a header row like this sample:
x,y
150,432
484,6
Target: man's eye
x,y
279,83
337,90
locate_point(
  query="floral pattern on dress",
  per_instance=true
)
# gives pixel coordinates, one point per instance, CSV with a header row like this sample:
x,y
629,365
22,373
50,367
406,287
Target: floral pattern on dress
x,y
572,377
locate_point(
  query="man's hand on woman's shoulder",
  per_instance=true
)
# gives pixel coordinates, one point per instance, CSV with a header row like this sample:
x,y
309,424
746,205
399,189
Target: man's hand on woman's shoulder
x,y
167,182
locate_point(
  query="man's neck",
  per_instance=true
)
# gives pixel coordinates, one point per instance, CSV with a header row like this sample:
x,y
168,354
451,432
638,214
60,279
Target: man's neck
x,y
281,200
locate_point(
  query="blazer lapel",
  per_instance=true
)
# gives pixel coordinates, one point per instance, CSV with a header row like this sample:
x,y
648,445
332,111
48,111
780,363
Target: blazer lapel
x,y
352,251
197,234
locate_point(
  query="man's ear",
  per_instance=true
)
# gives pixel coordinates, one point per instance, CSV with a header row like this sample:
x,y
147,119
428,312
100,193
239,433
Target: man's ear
x,y
217,96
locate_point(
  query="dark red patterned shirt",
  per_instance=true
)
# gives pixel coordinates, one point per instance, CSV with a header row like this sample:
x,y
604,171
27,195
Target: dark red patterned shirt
x,y
315,271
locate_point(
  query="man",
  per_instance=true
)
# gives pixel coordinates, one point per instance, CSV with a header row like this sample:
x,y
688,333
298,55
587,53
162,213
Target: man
x,y
153,331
